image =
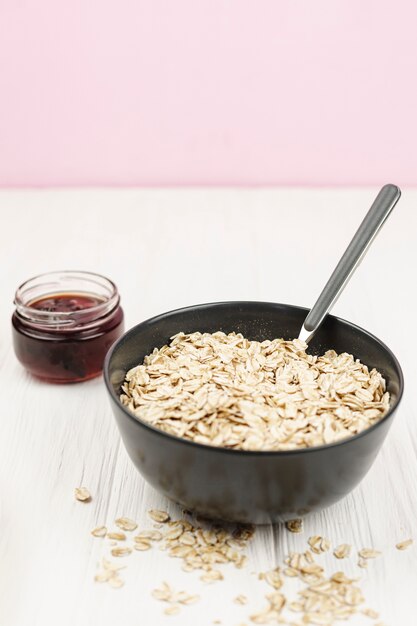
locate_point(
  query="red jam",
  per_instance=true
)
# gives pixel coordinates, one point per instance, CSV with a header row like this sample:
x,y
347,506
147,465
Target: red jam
x,y
63,336
65,302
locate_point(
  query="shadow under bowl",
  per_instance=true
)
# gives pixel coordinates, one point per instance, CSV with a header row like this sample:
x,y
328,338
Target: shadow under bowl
x,y
248,486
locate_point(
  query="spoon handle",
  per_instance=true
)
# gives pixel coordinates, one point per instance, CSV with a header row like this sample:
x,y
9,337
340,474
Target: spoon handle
x,y
382,206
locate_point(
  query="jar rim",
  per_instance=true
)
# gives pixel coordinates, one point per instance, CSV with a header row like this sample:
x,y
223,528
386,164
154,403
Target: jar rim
x,y
60,281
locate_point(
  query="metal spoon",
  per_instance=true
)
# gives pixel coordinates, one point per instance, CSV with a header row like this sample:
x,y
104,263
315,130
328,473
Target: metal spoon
x,y
382,206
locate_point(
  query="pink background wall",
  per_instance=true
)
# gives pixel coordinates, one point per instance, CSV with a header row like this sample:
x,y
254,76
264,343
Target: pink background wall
x,y
149,92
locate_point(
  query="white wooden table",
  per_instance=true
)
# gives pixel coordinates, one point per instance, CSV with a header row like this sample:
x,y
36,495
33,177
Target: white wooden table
x,y
167,249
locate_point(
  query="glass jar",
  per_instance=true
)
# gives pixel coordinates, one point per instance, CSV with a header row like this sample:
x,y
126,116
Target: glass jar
x,y
64,324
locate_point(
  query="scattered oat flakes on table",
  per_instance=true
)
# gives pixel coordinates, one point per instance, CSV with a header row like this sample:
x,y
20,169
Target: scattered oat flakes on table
x,y
200,548
109,573
291,572
403,545
272,577
240,599
295,525
164,593
100,531
142,546
126,524
342,551
82,494
173,609
159,516
204,549
148,535
173,598
116,582
116,536
368,553
318,544
370,613
322,599
276,602
211,576
121,551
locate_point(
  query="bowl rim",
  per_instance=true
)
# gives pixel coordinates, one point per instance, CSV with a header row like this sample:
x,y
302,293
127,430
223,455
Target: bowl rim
x,y
262,453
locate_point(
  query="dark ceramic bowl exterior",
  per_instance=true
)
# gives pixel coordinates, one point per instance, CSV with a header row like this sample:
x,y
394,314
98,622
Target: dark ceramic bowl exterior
x,y
245,486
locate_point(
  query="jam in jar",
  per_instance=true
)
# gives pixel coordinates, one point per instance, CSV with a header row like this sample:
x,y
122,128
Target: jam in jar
x,y
64,324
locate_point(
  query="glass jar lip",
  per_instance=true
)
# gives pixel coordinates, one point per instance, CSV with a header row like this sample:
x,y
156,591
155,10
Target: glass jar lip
x,y
51,282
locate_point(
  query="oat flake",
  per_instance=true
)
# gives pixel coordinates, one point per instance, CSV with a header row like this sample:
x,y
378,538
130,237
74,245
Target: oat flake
x,y
82,494
126,524
403,545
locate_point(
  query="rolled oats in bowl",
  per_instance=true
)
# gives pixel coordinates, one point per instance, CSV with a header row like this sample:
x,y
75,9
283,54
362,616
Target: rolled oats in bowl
x,y
224,390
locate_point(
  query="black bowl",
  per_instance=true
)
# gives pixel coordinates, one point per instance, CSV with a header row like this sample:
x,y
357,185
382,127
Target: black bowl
x,y
247,486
